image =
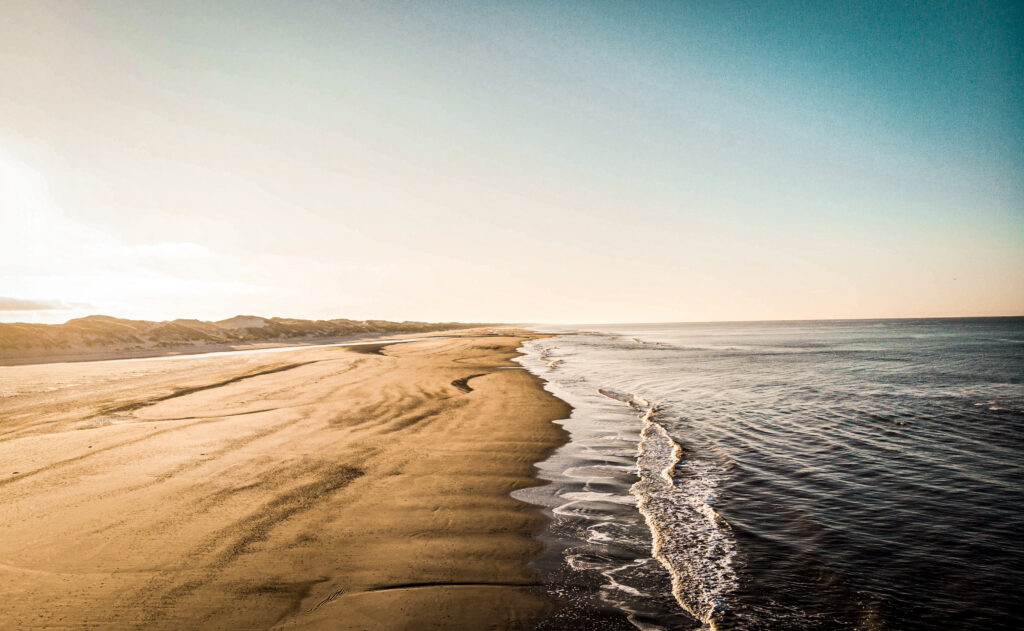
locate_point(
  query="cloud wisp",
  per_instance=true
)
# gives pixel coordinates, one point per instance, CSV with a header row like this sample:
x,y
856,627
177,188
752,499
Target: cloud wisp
x,y
27,304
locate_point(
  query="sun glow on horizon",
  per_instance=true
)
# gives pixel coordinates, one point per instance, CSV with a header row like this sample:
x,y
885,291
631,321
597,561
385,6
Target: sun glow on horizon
x,y
508,163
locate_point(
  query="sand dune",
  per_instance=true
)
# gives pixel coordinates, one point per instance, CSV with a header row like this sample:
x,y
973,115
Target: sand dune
x,y
315,488
97,337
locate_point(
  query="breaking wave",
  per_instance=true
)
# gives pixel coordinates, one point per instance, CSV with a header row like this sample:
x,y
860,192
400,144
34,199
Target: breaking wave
x,y
675,496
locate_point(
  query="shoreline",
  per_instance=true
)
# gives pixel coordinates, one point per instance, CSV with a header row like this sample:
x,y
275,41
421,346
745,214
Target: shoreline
x,y
188,350
310,488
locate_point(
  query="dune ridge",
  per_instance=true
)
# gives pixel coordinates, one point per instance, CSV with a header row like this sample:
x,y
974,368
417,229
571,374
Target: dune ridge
x,y
97,336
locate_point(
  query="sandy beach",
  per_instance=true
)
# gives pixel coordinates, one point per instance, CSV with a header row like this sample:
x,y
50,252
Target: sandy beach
x,y
342,487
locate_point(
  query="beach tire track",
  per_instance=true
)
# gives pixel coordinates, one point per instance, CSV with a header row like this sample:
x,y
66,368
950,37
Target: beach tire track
x,y
330,597
239,538
209,457
77,459
182,392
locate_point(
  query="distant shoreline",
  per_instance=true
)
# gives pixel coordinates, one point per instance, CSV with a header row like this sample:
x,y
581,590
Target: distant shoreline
x,y
101,338
98,355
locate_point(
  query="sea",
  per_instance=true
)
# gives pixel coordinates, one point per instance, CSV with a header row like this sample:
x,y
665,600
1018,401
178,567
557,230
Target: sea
x,y
862,474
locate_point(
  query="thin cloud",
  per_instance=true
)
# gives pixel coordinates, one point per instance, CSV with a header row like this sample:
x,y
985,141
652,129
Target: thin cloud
x,y
23,304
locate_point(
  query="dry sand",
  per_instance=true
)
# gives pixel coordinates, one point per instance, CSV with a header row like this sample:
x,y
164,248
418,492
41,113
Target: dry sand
x,y
336,488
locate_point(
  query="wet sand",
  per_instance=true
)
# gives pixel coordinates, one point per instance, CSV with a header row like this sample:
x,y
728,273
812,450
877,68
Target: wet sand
x,y
340,488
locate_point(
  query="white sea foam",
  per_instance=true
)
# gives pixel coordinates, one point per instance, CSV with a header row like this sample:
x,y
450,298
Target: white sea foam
x,y
784,422
552,363
592,496
621,545
690,538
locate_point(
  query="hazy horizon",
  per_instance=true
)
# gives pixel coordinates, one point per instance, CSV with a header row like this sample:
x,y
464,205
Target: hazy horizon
x,y
528,162
542,324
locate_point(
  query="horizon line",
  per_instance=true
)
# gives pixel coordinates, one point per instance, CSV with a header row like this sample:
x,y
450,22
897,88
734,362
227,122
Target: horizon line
x,y
555,323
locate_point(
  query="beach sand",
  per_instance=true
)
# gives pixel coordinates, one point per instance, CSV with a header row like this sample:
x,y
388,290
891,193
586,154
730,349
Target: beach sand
x,y
341,488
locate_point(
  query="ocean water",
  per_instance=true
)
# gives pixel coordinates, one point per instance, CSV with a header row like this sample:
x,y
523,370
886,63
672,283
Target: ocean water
x,y
787,475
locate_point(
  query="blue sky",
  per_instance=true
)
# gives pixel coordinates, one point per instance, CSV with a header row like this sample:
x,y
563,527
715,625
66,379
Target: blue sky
x,y
564,162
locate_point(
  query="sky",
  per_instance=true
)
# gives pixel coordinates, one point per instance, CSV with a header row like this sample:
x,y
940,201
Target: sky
x,y
511,161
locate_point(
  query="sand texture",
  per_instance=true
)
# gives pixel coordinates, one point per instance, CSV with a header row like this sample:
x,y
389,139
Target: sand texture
x,y
101,337
335,488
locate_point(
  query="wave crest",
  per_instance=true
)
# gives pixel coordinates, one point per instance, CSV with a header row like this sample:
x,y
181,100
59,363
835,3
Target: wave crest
x,y
691,540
